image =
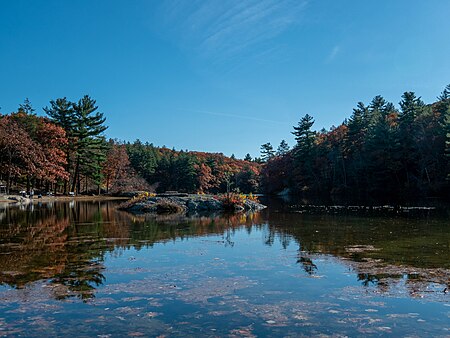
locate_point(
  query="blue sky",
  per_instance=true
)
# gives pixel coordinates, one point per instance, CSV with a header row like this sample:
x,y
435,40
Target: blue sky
x,y
221,75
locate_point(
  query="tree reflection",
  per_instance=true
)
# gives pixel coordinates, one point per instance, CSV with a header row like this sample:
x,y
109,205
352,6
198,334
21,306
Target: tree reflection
x,y
66,243
307,265
59,242
79,283
383,252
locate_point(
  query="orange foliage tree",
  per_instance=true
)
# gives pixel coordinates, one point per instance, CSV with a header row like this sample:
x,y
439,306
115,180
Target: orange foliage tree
x,y
31,148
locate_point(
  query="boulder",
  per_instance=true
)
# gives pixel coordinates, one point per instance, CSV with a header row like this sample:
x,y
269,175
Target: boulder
x,y
176,203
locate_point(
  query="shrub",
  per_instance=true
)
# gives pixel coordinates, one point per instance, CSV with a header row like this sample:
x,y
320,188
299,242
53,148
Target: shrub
x,y
233,201
168,207
141,197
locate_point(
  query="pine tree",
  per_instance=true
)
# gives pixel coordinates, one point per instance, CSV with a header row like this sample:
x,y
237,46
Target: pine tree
x,y
304,137
354,142
185,173
304,153
382,148
61,112
283,148
444,110
90,149
143,158
376,111
26,107
267,152
357,129
411,107
248,158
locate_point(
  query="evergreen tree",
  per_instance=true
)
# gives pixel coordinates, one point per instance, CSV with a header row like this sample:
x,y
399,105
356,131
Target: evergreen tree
x,y
304,153
376,111
248,158
382,147
411,107
61,112
267,152
354,142
357,129
26,107
185,173
143,158
304,137
246,180
444,111
283,148
90,148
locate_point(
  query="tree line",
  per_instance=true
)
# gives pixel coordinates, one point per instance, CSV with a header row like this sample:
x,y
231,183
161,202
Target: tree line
x,y
66,151
380,152
190,171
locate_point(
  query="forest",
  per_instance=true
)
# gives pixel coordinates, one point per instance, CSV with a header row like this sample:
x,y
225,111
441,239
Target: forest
x,y
381,153
66,151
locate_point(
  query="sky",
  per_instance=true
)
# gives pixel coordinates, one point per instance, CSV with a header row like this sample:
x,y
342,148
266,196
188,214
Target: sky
x,y
221,75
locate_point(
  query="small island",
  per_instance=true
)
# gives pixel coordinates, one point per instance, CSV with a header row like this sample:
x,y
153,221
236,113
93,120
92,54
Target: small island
x,y
174,202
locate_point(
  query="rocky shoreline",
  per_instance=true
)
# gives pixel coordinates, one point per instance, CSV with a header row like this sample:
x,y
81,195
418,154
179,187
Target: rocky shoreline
x,y
184,203
6,200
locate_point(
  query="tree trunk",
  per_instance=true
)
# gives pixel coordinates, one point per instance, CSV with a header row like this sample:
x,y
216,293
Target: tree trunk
x,y
76,175
68,171
8,181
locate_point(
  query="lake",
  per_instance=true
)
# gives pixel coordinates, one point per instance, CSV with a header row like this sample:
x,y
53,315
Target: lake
x,y
88,270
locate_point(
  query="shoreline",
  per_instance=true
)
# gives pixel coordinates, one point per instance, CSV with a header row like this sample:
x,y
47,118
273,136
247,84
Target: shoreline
x,y
6,199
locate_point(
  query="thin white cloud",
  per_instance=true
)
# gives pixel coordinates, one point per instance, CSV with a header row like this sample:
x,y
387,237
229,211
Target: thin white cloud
x,y
334,52
219,29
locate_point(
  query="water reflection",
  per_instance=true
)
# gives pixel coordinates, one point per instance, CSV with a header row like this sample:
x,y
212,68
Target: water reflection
x,y
54,242
384,252
307,264
66,244
268,274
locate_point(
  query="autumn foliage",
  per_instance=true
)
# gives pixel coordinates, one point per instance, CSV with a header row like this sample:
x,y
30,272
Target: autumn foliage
x,y
189,171
381,153
67,152
31,147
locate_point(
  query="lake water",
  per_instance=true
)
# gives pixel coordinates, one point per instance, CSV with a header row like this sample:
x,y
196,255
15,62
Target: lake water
x,y
87,270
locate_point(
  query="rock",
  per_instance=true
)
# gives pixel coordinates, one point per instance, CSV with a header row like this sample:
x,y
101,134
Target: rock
x,y
253,206
176,203
239,208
